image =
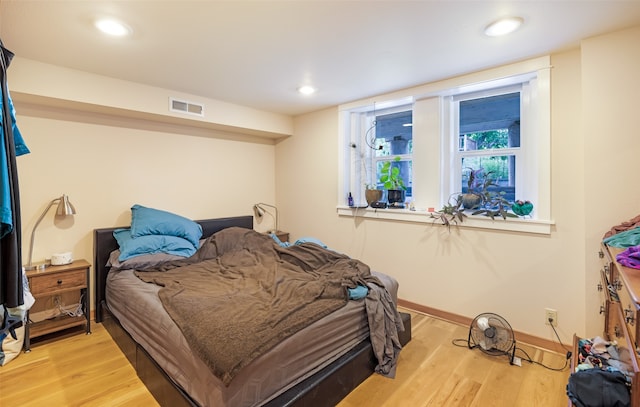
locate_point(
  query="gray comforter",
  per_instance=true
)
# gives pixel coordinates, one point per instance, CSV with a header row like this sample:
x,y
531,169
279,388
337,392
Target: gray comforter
x,y
242,293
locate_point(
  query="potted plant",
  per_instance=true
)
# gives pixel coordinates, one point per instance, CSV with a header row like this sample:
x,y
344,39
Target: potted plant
x,y
451,213
477,184
495,205
478,198
372,194
394,183
486,202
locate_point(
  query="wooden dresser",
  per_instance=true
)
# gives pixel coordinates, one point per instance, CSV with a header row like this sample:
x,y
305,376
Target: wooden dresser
x,y
619,291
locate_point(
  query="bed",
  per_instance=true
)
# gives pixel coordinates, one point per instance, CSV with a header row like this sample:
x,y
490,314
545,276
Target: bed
x,y
316,366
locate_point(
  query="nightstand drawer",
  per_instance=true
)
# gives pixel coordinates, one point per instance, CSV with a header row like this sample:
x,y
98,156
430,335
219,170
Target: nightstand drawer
x,y
56,282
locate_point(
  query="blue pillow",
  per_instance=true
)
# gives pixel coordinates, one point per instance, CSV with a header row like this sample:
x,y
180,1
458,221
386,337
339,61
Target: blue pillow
x,y
148,221
149,244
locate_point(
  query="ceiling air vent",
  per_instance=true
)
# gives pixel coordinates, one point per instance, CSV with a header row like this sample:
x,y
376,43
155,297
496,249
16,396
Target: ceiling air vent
x,y
182,106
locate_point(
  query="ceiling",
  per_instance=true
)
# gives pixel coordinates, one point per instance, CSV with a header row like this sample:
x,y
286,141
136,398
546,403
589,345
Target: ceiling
x,y
257,53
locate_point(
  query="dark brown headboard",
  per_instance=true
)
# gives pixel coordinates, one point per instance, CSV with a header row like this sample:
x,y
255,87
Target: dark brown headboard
x,y
104,243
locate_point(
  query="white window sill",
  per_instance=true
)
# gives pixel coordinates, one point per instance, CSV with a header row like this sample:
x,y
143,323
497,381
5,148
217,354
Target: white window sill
x,y
479,221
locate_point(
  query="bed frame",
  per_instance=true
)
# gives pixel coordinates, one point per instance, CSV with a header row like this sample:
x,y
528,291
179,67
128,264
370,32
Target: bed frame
x,y
324,389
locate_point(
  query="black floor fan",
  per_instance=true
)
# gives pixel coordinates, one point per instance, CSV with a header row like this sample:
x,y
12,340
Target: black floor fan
x,y
493,335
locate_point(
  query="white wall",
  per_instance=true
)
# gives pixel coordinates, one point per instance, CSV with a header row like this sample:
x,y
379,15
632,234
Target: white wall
x,y
106,168
48,84
469,271
610,89
109,163
110,144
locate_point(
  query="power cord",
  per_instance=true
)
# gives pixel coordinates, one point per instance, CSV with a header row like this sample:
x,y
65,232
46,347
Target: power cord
x,y
69,310
466,343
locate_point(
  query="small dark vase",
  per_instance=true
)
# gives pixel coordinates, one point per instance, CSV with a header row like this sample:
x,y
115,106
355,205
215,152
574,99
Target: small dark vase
x,y
395,197
373,195
471,201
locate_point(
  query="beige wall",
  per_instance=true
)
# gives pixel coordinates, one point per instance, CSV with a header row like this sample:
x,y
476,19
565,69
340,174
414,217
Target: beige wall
x,y
110,144
47,84
610,89
108,163
470,271
106,168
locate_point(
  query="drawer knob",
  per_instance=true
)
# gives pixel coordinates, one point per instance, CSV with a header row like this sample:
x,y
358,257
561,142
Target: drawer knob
x,y
600,254
59,281
628,316
599,286
602,309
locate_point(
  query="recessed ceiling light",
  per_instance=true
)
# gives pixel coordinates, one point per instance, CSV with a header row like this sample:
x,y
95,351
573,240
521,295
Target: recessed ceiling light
x,y
306,89
503,26
113,27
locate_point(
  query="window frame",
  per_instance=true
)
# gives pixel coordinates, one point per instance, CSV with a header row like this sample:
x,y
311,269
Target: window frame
x,y
453,138
432,151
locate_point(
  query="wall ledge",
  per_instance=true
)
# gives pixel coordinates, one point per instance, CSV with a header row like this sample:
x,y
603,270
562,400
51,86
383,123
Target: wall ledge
x,y
535,226
42,106
55,87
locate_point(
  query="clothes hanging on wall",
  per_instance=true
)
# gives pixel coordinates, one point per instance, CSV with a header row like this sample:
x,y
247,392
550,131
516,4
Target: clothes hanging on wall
x,y
12,144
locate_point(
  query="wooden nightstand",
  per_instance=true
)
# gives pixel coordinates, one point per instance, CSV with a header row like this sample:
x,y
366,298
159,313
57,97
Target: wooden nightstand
x,y
52,286
283,236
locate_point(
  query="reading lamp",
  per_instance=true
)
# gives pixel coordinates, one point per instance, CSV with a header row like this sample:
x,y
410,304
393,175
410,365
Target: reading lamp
x,y
65,208
259,211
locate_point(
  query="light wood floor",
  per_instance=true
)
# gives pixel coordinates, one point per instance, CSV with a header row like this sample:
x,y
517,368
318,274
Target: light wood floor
x,y
90,370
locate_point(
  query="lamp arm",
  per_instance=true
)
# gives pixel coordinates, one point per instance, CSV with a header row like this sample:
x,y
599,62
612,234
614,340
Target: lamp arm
x,y
33,232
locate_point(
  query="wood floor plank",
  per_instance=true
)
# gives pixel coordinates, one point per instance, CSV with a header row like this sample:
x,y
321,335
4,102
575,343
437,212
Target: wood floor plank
x,y
456,391
76,370
90,370
433,371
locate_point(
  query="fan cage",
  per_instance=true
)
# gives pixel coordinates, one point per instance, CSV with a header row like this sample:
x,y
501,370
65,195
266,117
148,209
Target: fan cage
x,y
493,335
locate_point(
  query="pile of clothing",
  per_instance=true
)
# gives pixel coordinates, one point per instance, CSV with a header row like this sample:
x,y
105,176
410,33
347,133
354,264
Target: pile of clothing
x,y
602,376
626,235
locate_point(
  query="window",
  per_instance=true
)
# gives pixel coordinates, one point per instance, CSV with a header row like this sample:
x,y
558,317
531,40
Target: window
x,y
441,130
487,133
380,136
393,142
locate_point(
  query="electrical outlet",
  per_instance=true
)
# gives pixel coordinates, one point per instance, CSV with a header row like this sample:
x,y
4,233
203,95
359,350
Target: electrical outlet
x,y
550,314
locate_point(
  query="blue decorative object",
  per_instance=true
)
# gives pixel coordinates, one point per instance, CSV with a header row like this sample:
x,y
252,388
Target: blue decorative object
x,y
522,208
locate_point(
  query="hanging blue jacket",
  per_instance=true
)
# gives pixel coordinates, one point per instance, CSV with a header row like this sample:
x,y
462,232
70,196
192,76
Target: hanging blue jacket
x,y
6,216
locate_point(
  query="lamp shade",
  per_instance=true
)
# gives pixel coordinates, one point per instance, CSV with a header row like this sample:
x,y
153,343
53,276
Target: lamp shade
x,y
259,212
65,208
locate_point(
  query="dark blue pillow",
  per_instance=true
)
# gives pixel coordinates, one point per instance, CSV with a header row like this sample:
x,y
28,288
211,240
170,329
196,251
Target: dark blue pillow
x,y
149,221
150,244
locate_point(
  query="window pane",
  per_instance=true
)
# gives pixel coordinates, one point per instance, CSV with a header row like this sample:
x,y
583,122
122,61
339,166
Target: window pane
x,y
485,140
501,169
490,122
394,134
